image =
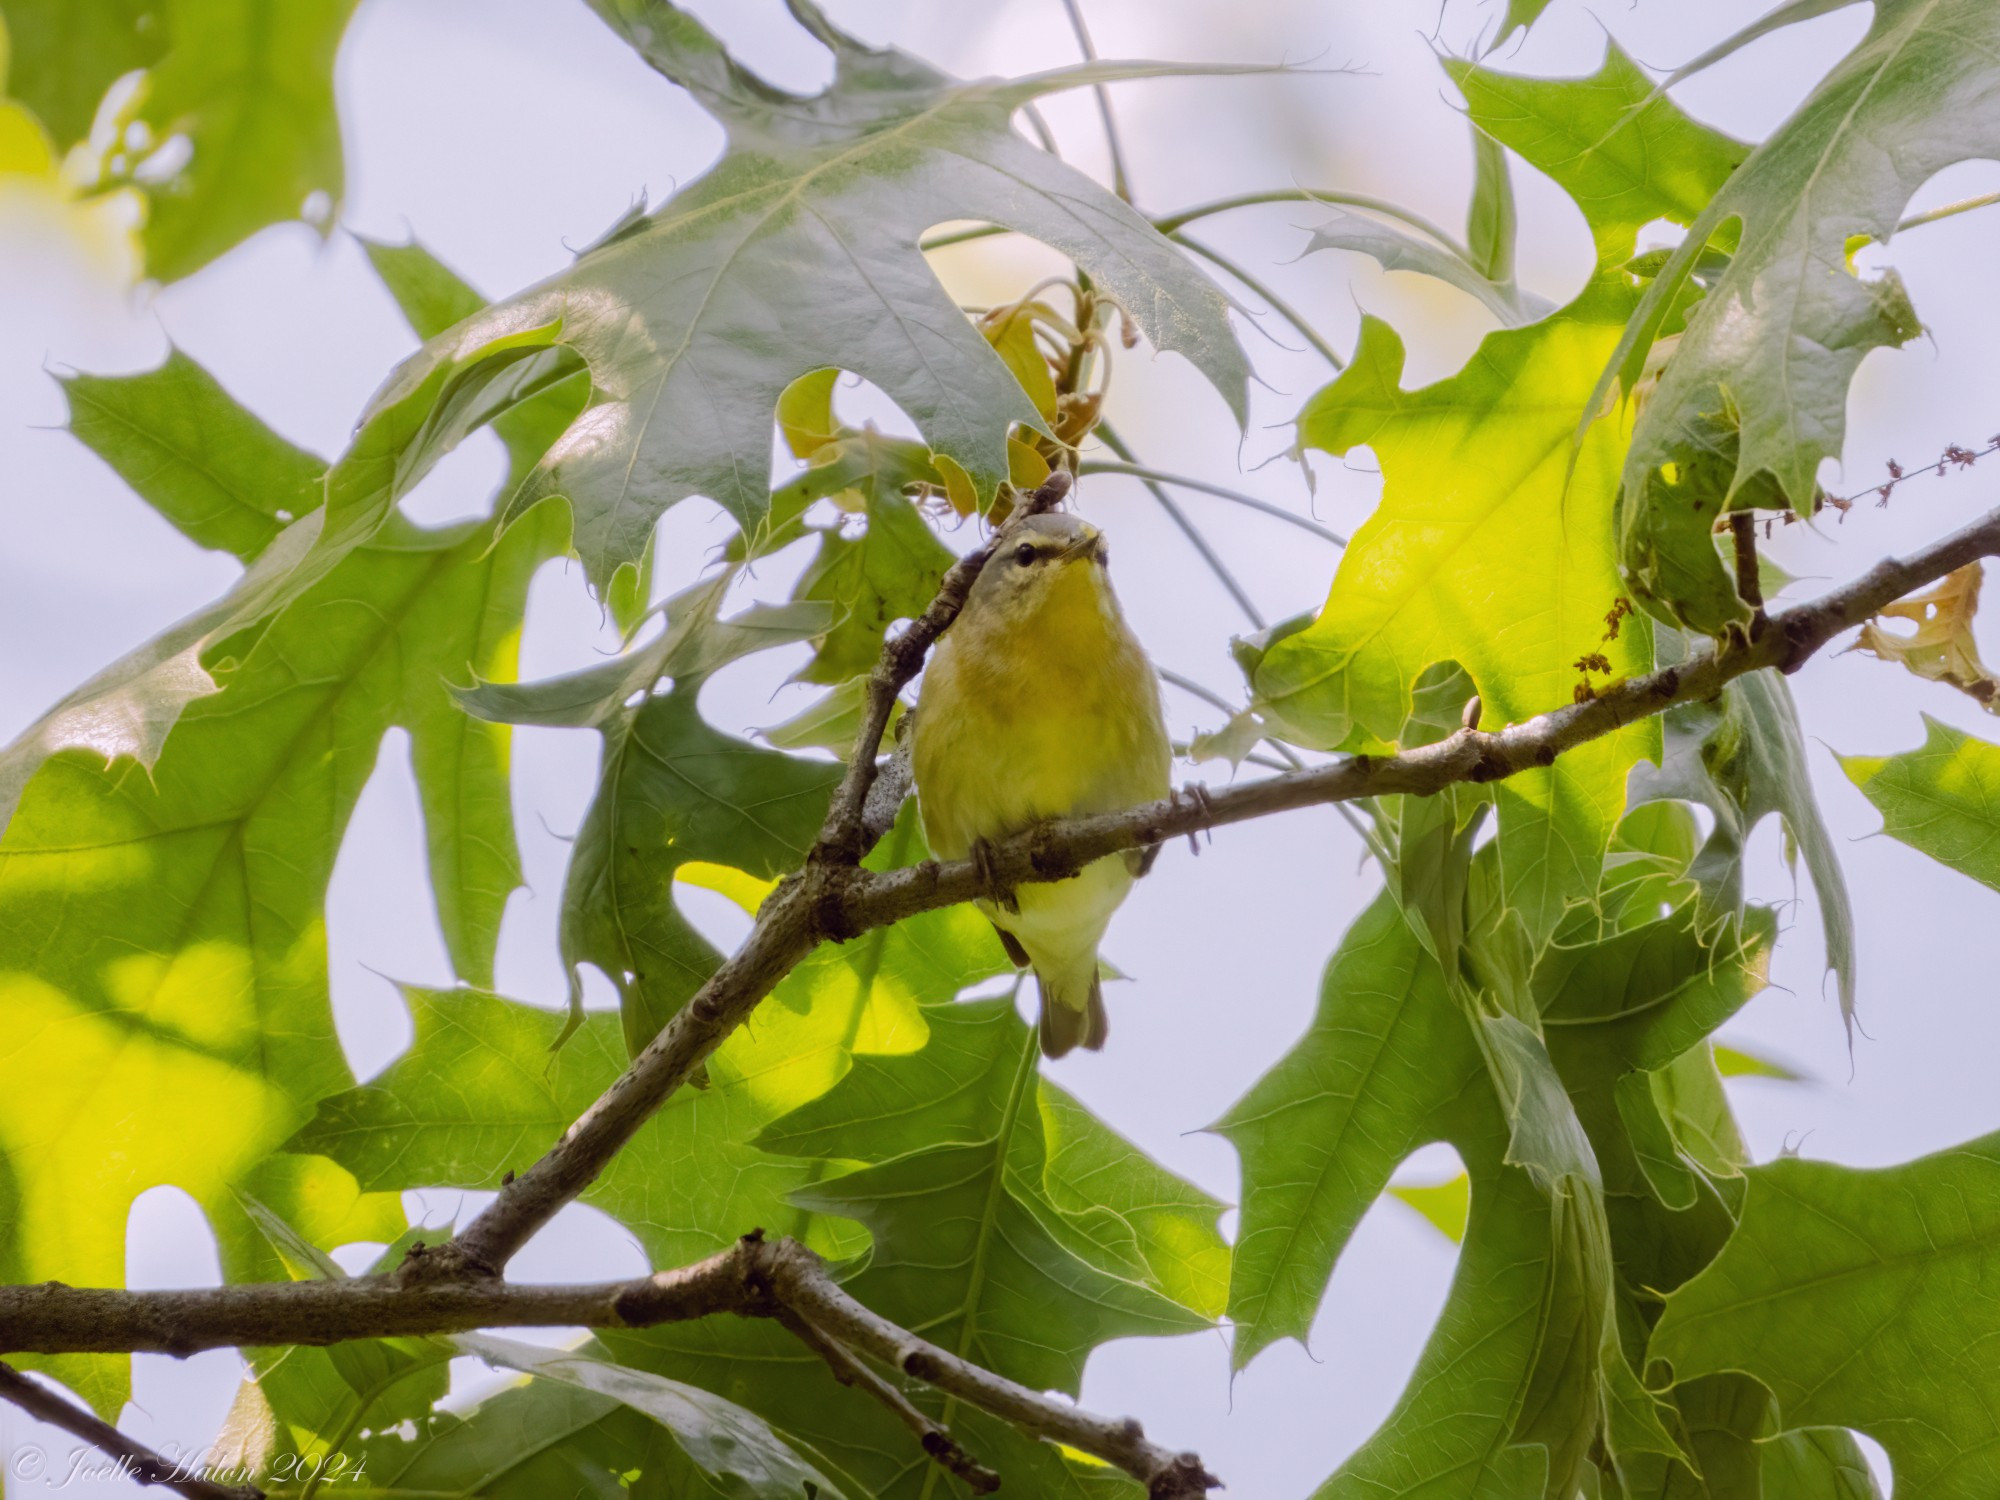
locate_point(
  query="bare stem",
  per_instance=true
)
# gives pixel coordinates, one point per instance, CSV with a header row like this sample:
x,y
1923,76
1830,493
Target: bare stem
x,y
1121,182
1202,486
136,1460
1278,304
1109,436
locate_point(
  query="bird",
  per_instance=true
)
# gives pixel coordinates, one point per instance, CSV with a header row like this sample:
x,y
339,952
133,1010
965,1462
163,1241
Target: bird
x,y
1038,703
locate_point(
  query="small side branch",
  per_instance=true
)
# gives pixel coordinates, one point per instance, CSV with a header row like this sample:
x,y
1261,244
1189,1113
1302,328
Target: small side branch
x,y
136,1460
1743,530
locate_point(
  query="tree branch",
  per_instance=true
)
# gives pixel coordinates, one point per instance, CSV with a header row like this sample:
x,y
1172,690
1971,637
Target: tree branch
x,y
456,1286
754,1278
826,901
136,1460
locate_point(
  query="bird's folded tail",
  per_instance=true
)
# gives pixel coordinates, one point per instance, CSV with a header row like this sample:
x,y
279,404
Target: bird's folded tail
x,y
1073,1011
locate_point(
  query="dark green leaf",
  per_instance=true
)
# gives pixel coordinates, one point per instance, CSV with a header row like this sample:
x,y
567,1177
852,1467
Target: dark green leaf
x,y
1862,1299
734,1446
1399,250
1742,757
250,86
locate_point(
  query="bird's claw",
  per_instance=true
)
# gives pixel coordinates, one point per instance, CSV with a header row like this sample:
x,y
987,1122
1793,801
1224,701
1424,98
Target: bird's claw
x,y
1197,793
982,860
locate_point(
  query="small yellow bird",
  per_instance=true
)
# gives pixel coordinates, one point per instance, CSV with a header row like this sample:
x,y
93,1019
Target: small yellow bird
x,y
1039,703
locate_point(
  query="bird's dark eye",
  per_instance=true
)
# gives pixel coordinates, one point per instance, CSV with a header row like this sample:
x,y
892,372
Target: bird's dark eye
x,y
1103,553
1025,554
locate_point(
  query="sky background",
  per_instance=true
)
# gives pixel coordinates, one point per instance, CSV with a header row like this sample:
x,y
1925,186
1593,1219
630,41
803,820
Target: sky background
x,y
502,132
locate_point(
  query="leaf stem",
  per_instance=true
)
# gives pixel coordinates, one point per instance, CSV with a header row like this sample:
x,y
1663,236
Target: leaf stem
x,y
1949,211
1278,304
1202,486
1170,222
1192,532
1121,182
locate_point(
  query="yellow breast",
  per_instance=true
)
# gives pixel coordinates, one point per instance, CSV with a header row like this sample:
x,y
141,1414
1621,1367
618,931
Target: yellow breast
x,y
1053,712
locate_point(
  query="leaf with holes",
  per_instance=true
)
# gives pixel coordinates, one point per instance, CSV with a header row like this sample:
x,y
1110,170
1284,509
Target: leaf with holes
x,y
1772,347
798,252
1863,1299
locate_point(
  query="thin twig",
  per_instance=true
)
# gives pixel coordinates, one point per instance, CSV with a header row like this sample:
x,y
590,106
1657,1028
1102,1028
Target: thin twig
x,y
1121,183
1168,223
135,1460
1749,587
849,1370
1202,486
1279,305
1109,436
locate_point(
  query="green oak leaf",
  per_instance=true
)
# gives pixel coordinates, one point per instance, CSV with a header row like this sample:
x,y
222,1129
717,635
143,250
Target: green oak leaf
x,y
1511,1387
889,571
1008,1225
1742,756
249,86
532,1441
798,252
323,1398
1627,1020
1321,1132
478,1095
1474,530
958,1092
1816,1463
1521,14
128,709
65,55
672,789
1942,799
432,297
1860,1299
168,935
170,927
1490,512
1623,150
1773,346
733,1446
1396,249
220,476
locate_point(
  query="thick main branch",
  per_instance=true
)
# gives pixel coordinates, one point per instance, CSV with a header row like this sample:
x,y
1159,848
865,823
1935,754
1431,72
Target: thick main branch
x,y
754,1278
